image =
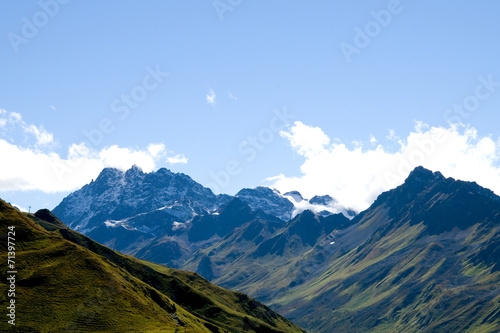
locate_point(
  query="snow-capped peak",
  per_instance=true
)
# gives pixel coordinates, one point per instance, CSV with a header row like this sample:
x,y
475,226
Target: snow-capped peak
x,y
323,205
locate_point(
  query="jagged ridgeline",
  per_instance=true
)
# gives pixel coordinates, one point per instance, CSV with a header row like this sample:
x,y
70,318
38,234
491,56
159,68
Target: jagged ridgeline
x,y
166,217
424,257
68,283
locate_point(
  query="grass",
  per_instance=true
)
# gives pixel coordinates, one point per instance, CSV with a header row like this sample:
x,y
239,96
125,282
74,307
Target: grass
x,y
68,283
395,284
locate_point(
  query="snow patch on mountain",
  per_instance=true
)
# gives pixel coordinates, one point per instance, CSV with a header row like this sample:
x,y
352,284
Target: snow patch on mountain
x,y
118,195
287,206
269,200
178,226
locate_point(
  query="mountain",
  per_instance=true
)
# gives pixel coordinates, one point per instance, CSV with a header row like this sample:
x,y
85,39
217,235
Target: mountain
x,y
268,200
235,214
163,216
263,257
66,282
287,206
118,197
423,258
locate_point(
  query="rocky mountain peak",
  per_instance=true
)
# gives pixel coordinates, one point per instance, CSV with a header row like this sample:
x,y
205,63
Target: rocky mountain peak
x,y
134,172
270,201
423,175
295,195
321,200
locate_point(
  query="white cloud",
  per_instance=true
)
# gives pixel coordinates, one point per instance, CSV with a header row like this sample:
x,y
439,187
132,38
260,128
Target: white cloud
x,y
53,107
177,159
13,122
16,117
28,169
356,176
42,136
22,209
156,149
211,97
302,205
36,167
125,158
306,140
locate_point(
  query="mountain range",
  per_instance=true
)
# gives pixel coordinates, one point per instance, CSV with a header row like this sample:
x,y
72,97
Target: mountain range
x,y
162,216
66,282
424,257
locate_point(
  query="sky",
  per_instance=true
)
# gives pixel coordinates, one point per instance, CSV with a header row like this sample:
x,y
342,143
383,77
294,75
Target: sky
x,y
323,97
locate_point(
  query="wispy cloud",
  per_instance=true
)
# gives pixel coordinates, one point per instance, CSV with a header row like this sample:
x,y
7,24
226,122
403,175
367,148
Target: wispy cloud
x,y
53,107
42,136
356,176
177,159
12,123
210,97
231,96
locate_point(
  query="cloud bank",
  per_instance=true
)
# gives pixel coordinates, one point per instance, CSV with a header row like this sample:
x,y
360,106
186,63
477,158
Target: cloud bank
x,y
356,176
28,169
35,166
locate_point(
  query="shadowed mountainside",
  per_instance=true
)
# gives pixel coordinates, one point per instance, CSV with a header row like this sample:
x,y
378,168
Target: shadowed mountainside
x,y
423,258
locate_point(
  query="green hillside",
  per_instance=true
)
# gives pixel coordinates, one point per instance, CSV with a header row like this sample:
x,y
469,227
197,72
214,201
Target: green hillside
x,y
423,258
263,258
69,283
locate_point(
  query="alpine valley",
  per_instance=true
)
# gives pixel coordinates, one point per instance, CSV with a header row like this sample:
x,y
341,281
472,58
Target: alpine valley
x,y
66,282
424,257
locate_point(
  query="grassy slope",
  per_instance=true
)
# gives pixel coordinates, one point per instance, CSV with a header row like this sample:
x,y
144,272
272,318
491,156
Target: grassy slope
x,y
392,283
424,258
261,260
68,283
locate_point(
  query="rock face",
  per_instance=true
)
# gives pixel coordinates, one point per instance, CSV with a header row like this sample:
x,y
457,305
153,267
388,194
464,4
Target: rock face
x,y
117,196
268,200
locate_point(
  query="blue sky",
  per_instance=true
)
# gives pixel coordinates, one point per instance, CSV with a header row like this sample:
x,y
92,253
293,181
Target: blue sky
x,y
196,87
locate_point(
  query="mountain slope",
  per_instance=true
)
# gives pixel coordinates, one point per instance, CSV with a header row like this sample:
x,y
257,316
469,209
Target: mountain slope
x,y
268,200
264,257
422,258
67,282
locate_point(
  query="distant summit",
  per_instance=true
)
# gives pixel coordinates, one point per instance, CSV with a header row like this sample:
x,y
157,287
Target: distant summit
x,y
423,175
117,195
